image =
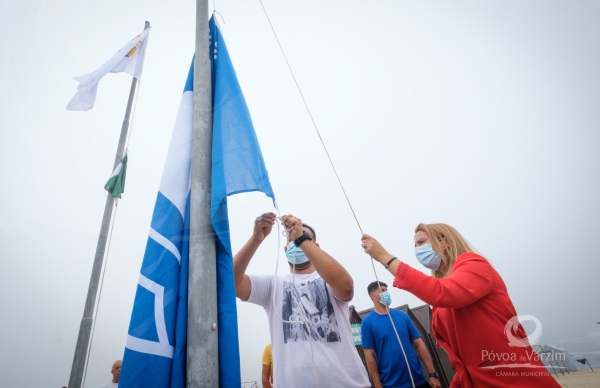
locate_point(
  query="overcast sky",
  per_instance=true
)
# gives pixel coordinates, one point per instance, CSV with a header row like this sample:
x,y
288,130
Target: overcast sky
x,y
482,115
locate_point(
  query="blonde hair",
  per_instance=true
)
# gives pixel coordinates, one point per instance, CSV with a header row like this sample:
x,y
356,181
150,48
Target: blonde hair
x,y
457,245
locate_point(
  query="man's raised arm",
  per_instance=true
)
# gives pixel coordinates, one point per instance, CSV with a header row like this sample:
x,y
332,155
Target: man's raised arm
x,y
335,275
262,227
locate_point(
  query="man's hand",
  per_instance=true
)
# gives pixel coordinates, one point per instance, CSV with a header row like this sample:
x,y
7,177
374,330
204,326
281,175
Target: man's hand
x,y
263,226
434,382
374,249
293,225
425,358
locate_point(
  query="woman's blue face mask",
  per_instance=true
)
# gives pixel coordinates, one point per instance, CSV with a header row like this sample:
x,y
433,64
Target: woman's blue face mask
x,y
428,257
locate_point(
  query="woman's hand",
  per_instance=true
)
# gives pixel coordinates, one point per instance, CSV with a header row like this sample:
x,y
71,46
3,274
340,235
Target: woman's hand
x,y
374,249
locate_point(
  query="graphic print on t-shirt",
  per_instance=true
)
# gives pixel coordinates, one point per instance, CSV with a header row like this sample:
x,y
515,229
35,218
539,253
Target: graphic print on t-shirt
x,y
313,300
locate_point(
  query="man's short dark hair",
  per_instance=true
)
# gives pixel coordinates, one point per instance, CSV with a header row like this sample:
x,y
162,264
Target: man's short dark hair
x,y
375,286
314,235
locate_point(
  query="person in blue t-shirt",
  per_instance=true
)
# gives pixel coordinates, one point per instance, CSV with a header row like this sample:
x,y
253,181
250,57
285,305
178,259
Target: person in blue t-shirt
x,y
385,360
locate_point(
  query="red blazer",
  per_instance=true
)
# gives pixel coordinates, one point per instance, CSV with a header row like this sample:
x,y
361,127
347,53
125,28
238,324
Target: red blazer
x,y
471,307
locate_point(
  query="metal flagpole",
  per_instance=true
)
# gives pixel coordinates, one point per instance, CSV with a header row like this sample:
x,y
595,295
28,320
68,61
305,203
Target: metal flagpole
x,y
85,328
202,340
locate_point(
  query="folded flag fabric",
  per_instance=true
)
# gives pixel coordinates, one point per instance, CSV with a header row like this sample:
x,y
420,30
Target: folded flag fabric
x,y
155,351
237,167
116,183
129,59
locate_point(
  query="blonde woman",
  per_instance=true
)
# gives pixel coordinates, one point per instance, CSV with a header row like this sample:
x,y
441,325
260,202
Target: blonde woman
x,y
473,316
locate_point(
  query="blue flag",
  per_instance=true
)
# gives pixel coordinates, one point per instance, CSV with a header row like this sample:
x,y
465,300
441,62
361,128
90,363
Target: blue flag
x,y
155,351
237,167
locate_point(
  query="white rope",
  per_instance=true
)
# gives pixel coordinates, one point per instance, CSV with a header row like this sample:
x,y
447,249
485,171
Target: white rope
x,y
132,116
286,233
339,181
394,326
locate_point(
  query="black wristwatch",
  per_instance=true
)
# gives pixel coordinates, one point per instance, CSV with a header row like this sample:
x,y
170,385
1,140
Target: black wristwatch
x,y
305,236
434,374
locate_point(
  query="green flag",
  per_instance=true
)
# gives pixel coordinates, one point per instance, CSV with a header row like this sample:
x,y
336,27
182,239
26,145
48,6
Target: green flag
x,y
116,183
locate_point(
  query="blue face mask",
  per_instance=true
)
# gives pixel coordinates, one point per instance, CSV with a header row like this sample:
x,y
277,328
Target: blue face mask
x,y
293,252
428,257
385,298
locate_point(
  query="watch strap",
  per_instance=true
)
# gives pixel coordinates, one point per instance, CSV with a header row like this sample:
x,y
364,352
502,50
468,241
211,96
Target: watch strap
x,y
305,236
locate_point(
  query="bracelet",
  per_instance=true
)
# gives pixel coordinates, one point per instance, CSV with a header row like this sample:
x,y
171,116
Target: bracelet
x,y
390,262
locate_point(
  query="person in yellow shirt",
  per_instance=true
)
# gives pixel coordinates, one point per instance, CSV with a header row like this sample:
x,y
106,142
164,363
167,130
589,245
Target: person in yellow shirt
x,y
267,367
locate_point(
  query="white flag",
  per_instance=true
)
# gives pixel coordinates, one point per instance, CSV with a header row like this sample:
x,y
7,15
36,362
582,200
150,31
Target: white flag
x,y
130,59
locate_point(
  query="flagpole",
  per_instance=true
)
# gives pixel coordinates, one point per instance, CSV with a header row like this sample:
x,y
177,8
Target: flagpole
x,y
202,330
85,327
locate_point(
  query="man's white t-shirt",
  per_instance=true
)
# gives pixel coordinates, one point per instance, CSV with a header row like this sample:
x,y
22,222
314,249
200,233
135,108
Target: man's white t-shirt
x,y
335,357
110,384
